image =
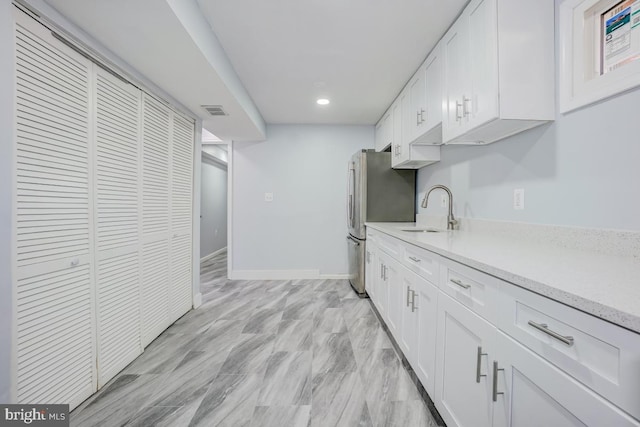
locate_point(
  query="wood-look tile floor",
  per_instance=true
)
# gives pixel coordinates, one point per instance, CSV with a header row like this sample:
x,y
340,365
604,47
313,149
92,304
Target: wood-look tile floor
x,y
264,353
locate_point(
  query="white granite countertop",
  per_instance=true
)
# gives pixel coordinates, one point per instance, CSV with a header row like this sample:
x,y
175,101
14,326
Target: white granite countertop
x,y
602,285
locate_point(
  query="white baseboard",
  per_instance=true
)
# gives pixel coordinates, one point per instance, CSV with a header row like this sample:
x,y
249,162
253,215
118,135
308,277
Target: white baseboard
x,y
197,300
282,275
212,254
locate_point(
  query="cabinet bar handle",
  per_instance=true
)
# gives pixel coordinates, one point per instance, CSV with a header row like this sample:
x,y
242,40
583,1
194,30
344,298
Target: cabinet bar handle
x,y
466,111
382,271
385,273
495,381
458,108
568,340
478,362
417,118
422,115
414,307
459,283
408,293
414,259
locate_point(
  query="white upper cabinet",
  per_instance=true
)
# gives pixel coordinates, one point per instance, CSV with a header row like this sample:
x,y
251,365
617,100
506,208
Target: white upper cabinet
x,y
384,131
498,70
426,100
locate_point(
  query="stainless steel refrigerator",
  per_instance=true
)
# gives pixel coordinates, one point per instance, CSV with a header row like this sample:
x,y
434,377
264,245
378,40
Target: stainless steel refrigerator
x,y
376,193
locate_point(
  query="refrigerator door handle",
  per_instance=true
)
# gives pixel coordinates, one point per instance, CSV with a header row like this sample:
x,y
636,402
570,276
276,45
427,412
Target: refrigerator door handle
x,y
352,189
354,241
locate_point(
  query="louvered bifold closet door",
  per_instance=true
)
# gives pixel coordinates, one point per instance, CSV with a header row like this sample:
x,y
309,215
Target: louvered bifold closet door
x,y
182,141
117,222
156,131
54,298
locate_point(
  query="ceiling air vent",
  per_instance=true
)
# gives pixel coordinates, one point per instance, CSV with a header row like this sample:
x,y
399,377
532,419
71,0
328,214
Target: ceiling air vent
x,y
214,110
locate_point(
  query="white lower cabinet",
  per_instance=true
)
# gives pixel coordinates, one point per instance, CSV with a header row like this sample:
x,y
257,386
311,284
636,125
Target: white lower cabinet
x,y
463,381
419,327
392,281
530,392
371,279
469,338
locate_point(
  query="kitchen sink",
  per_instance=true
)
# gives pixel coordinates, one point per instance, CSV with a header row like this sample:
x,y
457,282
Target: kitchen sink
x,y
423,230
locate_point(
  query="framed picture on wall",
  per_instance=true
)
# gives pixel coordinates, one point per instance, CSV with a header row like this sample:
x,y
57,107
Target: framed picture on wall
x,y
599,50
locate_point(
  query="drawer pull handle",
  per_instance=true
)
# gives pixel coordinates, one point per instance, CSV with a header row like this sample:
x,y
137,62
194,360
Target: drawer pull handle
x,y
568,340
478,362
414,307
408,295
414,259
459,283
495,381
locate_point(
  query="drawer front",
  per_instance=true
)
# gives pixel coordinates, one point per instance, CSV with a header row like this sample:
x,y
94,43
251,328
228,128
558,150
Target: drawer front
x,y
390,245
602,356
475,290
422,262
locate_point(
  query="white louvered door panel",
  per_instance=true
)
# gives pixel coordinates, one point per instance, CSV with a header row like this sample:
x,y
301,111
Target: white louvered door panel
x,y
117,222
54,298
180,290
156,131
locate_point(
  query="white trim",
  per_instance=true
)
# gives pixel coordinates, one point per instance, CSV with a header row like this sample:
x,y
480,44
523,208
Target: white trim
x,y
284,275
213,254
195,225
230,273
206,157
580,84
197,300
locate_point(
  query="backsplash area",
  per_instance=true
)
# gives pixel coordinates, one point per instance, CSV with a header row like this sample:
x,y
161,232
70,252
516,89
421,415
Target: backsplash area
x,y
611,242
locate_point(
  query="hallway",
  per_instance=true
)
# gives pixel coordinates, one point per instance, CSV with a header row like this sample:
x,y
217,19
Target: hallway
x,y
264,353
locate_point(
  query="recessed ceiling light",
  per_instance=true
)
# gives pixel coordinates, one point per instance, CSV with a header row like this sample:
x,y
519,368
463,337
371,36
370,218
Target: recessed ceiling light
x,y
323,101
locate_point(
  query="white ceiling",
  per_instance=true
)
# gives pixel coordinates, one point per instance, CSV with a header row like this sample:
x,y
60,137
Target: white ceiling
x,y
286,53
357,53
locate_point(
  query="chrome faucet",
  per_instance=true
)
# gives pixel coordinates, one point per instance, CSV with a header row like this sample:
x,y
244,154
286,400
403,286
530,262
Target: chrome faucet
x,y
451,221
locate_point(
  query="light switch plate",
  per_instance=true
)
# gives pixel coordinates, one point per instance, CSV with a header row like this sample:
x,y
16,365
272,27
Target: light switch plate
x,y
268,197
518,198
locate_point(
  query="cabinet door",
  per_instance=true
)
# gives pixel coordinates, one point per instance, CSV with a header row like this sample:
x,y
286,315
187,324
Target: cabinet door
x,y
418,107
530,392
382,294
454,53
426,306
481,104
409,330
465,347
400,152
393,282
370,277
386,131
432,115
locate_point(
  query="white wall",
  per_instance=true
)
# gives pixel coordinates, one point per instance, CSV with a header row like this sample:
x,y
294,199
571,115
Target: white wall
x,y
213,207
6,185
304,228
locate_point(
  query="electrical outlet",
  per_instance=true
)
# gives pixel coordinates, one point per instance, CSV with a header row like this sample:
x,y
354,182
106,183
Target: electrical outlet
x,y
268,197
443,200
518,198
